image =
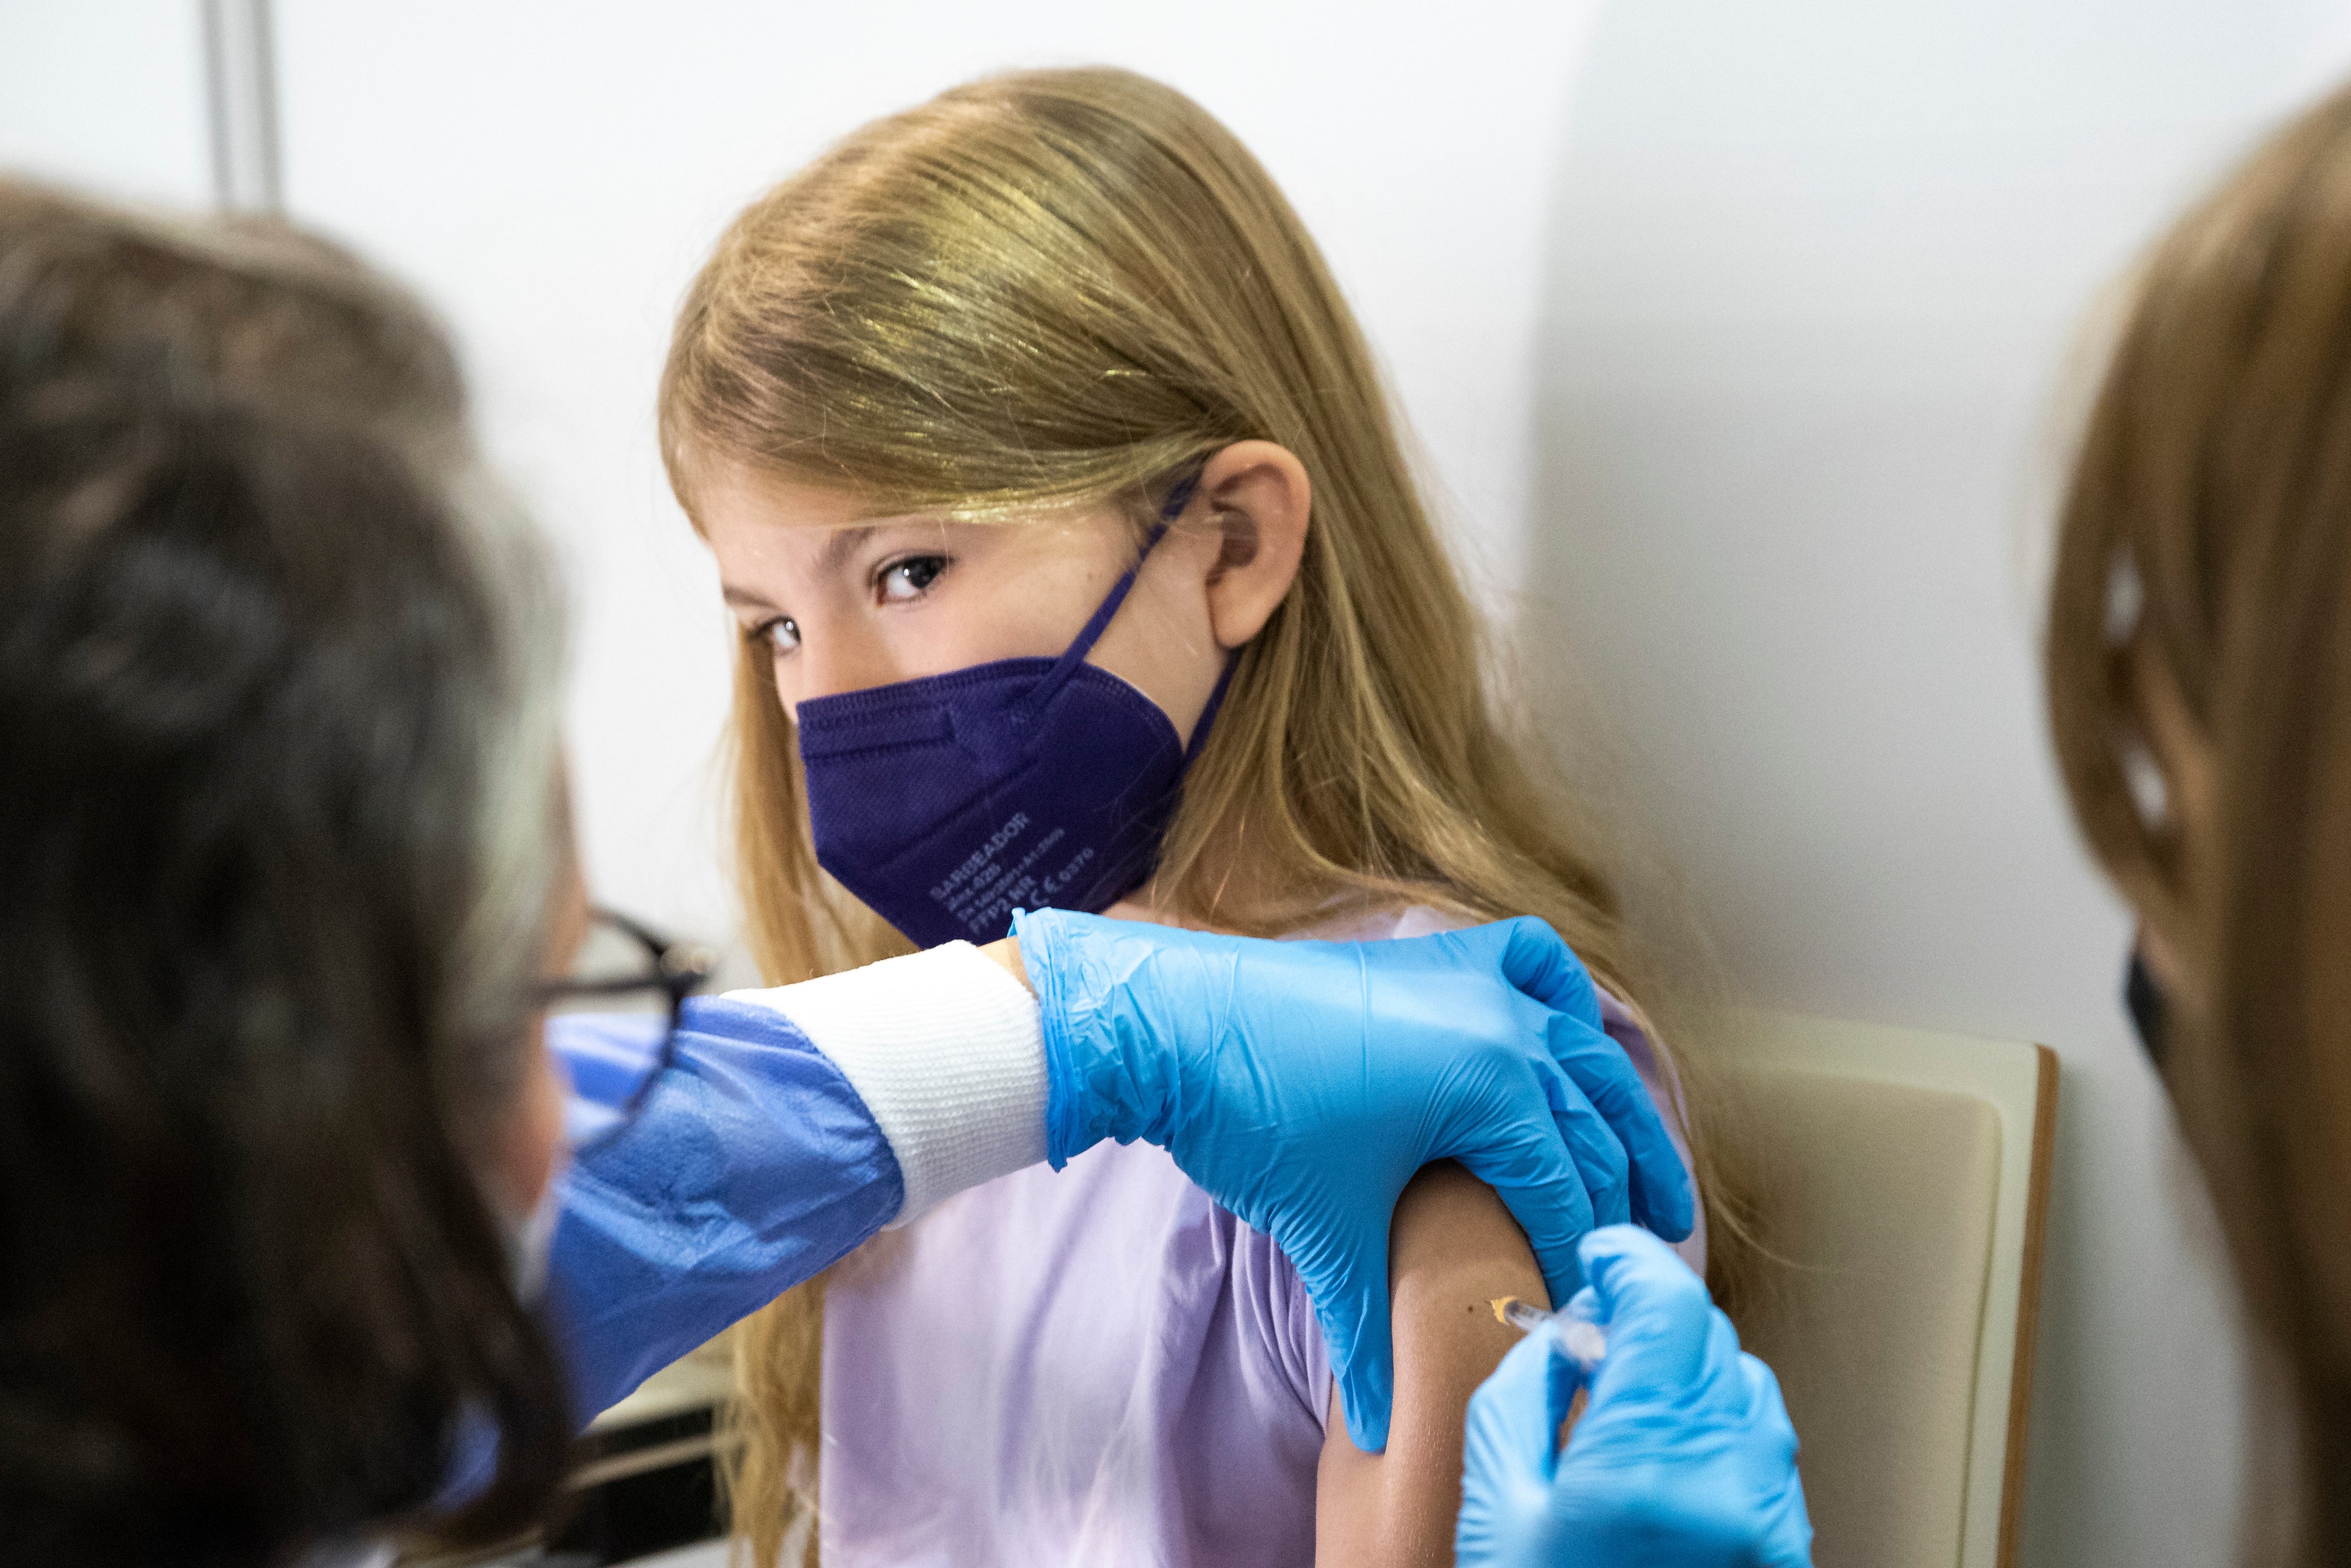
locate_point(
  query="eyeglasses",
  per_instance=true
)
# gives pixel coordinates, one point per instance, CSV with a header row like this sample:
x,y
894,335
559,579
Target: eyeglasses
x,y
619,1006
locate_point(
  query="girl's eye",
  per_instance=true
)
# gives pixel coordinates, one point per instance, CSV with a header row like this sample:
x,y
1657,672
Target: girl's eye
x,y
909,579
782,633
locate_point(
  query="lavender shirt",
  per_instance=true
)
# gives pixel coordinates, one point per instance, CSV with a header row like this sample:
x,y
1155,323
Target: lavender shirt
x,y
1099,1367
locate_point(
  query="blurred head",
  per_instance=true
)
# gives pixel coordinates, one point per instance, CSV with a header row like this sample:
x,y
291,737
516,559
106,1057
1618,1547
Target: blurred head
x,y
193,310
285,860
2199,692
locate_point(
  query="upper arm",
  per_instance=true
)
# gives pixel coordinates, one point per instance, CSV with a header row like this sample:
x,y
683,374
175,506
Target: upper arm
x,y
1452,1249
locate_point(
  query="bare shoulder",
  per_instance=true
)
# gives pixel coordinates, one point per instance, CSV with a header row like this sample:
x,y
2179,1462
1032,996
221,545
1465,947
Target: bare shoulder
x,y
1449,1224
1452,1249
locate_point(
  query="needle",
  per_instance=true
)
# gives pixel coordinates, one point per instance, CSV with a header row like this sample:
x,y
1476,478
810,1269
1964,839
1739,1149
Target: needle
x,y
1582,1339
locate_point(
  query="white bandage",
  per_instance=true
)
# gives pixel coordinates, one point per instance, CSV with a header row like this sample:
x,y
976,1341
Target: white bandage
x,y
946,1051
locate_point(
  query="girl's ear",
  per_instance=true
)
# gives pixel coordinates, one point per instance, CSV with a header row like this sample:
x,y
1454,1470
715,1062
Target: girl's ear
x,y
1256,496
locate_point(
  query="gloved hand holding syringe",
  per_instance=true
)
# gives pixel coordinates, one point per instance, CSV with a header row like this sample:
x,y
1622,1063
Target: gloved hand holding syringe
x,y
1584,1341
1683,1457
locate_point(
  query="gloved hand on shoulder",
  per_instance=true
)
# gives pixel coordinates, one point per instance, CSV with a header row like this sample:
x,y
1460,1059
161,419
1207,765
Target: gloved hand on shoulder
x,y
1301,1084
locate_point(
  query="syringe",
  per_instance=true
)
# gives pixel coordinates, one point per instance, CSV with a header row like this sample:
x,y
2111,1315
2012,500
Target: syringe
x,y
1584,1341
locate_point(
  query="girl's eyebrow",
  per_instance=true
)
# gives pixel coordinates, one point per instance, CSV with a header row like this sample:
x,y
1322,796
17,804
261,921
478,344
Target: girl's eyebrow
x,y
838,547
843,544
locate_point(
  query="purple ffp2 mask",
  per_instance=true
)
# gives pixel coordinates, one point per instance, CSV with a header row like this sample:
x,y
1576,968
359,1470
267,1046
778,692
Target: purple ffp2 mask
x,y
947,802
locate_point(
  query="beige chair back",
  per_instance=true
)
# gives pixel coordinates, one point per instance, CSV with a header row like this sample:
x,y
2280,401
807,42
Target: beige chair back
x,y
1905,1181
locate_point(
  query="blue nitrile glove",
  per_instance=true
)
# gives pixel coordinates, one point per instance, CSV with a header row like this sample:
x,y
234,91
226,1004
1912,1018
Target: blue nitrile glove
x,y
1684,1458
1301,1084
1628,1141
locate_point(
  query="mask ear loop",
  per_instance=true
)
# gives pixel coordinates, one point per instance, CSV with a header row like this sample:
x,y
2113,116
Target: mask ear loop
x,y
1067,664
1208,714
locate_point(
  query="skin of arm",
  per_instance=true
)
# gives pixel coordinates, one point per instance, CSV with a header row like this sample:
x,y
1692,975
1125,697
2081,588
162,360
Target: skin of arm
x,y
1006,955
1452,1249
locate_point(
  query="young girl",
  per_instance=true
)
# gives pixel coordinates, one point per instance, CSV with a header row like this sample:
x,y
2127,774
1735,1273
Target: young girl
x,y
1078,563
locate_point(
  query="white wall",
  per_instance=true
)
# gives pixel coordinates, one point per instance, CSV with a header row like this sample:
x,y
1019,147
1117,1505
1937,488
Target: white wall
x,y
1816,275
106,94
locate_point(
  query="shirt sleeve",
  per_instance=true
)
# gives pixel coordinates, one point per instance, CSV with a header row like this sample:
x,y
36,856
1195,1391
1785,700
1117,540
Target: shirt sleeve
x,y
947,1049
1296,1333
790,1125
1664,1087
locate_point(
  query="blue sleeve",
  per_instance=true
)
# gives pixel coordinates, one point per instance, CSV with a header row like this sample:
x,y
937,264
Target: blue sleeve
x,y
752,1165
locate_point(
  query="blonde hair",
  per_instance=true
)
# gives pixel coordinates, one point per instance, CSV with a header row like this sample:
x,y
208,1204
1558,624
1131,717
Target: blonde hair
x,y
1057,289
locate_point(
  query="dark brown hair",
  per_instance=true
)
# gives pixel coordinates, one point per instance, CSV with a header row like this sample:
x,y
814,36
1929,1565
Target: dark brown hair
x,y
2206,551
273,898
198,309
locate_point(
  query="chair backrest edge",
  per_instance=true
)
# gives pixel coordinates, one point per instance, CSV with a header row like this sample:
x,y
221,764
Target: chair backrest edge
x,y
2028,1305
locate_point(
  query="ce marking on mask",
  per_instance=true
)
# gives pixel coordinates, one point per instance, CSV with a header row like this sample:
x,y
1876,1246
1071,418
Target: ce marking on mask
x,y
980,893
